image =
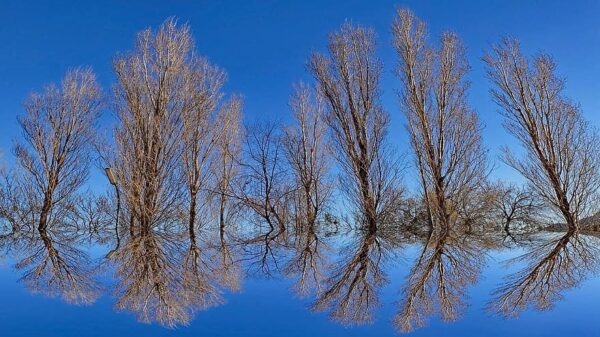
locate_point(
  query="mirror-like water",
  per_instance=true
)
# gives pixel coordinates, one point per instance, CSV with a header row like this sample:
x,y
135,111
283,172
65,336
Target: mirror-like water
x,y
298,282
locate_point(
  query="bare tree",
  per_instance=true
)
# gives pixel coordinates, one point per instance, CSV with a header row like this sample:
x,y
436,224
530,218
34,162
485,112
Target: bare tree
x,y
200,134
348,79
516,206
265,189
225,166
307,153
152,95
561,154
53,161
444,130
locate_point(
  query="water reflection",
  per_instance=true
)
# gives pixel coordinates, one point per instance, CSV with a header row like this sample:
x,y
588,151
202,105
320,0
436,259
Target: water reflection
x,y
552,265
308,261
351,290
159,279
450,261
167,274
52,263
52,258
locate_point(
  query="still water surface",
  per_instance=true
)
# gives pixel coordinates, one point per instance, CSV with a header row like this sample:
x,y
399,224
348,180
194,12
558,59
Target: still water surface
x,y
343,283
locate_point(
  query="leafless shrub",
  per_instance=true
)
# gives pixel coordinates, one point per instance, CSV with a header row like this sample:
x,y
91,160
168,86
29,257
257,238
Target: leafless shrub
x,y
16,214
516,206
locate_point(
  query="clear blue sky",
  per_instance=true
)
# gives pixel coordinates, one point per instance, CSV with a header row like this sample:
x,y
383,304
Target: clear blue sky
x,y
264,45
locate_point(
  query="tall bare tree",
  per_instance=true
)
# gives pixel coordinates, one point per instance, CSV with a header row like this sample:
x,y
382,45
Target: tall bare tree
x,y
307,152
348,79
173,124
152,97
444,130
202,93
561,149
225,166
58,127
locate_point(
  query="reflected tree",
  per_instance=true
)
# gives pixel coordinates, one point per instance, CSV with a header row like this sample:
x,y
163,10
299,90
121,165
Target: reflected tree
x,y
160,282
448,264
309,259
149,278
351,292
228,271
56,266
551,267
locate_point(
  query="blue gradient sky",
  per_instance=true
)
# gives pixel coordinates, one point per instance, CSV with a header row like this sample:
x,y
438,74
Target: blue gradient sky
x,y
264,46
